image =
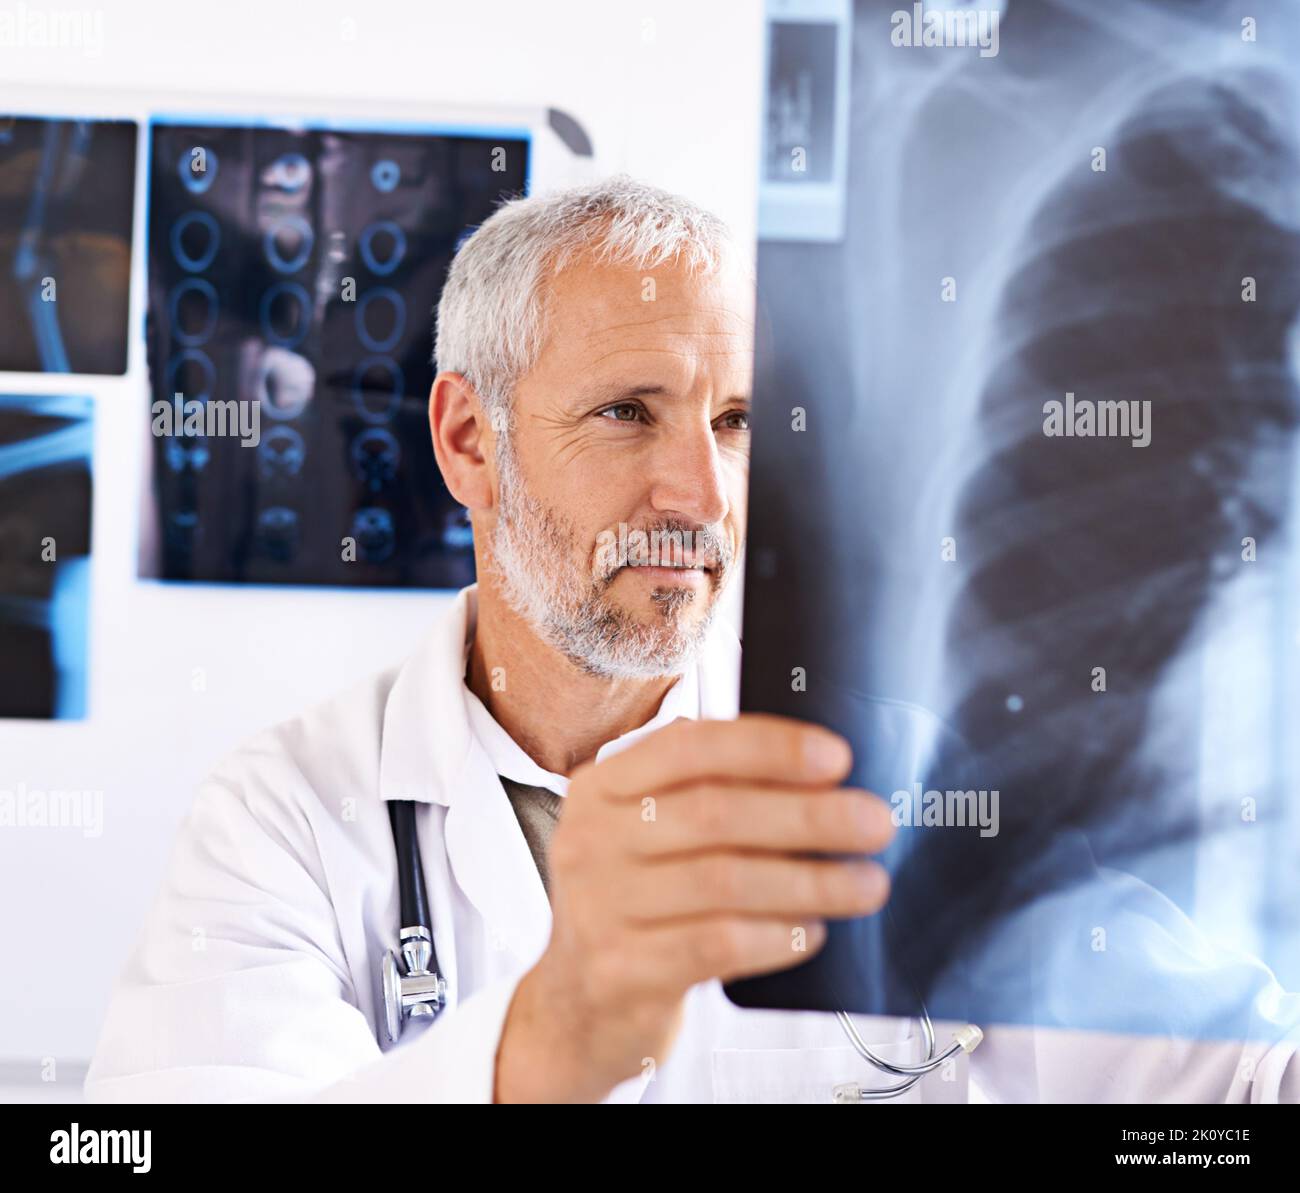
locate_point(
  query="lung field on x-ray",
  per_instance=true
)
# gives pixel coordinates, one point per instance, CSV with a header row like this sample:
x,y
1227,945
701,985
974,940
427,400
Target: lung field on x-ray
x,y
1085,553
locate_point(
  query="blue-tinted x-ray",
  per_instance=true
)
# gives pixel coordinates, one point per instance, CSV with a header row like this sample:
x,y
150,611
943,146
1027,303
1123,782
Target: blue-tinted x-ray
x,y
1024,513
67,201
297,271
45,500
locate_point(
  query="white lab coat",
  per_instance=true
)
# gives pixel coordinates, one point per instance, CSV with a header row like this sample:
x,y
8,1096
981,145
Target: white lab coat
x,y
256,976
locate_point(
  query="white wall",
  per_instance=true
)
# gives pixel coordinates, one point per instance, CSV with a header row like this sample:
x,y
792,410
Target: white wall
x,y
668,90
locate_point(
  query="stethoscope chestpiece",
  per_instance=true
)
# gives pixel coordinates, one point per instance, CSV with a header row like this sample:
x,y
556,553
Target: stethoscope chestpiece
x,y
411,987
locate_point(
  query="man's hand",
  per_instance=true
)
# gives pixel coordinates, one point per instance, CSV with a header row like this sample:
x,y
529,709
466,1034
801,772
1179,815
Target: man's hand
x,y
684,858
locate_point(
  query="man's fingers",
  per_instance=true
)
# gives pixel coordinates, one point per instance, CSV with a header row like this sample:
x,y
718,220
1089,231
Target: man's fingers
x,y
670,959
759,884
790,820
756,746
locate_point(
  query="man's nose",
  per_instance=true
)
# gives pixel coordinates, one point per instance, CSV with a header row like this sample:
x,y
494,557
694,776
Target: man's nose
x,y
689,480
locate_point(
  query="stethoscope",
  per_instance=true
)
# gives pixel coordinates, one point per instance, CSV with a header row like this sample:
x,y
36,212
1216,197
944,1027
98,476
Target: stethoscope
x,y
965,1039
414,989
412,985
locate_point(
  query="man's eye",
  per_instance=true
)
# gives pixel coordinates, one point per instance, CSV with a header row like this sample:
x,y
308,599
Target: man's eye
x,y
624,412
736,420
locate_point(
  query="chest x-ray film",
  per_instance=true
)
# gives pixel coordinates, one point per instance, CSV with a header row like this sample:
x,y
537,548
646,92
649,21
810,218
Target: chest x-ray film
x,y
67,192
1024,512
292,279
45,502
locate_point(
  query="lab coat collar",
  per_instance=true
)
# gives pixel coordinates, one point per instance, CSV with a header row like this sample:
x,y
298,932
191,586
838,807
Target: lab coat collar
x,y
510,760
426,737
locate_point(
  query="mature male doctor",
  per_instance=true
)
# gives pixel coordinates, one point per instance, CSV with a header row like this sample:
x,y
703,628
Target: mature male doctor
x,y
603,839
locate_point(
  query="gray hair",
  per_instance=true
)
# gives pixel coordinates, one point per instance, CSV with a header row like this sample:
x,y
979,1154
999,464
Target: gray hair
x,y
492,314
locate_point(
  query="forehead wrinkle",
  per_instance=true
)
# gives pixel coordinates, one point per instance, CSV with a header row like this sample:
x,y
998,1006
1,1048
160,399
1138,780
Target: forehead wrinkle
x,y
745,324
660,351
742,332
607,332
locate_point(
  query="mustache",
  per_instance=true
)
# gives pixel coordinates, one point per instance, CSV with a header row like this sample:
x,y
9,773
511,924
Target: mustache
x,y
669,542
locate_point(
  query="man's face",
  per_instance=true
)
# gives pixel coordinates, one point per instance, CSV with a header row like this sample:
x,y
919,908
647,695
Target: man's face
x,y
629,459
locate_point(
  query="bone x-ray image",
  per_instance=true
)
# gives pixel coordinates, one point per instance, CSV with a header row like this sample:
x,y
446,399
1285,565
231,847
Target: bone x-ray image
x,y
67,190
45,499
801,189
801,104
1023,520
293,274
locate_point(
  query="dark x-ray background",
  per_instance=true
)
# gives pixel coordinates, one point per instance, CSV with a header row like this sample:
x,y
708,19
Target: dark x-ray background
x,y
1147,865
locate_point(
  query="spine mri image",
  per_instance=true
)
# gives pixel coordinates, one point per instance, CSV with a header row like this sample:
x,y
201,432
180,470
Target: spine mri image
x,y
293,273
1032,544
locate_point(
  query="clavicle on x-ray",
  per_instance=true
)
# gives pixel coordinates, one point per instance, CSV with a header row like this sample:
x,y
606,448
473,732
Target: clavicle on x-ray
x,y
1028,409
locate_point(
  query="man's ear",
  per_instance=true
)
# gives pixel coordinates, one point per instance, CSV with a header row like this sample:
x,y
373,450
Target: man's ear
x,y
462,440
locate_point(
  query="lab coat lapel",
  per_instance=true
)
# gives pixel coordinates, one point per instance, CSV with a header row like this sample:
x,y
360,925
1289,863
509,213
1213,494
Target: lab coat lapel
x,y
492,864
429,753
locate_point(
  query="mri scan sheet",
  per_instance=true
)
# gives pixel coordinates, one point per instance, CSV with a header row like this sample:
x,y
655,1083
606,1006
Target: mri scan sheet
x,y
1024,505
292,277
45,499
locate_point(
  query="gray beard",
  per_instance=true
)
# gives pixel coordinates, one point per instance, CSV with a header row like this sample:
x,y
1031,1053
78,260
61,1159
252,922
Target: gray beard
x,y
532,551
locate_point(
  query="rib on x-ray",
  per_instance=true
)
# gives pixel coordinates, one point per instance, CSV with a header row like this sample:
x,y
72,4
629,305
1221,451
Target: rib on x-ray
x,y
1024,510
